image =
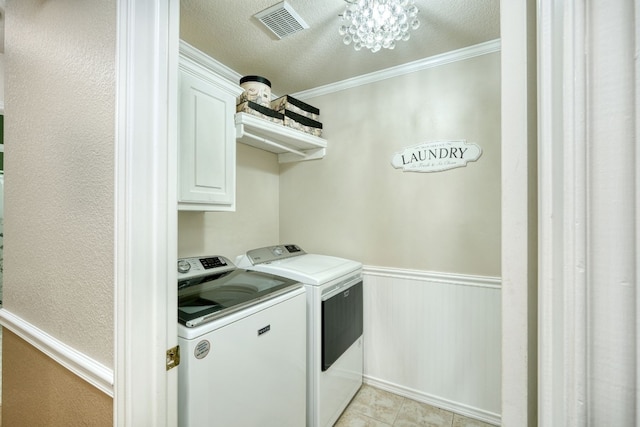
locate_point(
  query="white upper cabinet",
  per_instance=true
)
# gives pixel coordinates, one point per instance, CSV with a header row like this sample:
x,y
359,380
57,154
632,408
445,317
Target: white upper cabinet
x,y
206,136
207,129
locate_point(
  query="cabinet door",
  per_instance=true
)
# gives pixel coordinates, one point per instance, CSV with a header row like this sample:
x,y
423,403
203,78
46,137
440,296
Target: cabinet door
x,y
207,146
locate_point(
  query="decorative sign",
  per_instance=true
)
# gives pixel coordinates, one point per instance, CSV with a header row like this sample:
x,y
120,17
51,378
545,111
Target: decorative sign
x,y
436,156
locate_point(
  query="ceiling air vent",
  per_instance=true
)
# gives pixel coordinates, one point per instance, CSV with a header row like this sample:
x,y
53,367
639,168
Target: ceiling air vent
x,y
282,20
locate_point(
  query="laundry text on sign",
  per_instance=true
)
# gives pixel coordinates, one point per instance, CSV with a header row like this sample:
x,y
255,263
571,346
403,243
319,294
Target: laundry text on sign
x,y
436,156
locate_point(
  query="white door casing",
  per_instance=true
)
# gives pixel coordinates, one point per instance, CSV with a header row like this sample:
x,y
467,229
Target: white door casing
x,y
145,212
589,198
519,212
146,232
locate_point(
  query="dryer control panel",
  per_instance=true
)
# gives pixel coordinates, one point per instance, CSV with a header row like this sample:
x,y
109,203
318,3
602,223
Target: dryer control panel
x,y
273,253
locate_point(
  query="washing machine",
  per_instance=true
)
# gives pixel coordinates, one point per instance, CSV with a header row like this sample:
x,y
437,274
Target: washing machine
x,y
242,337
334,321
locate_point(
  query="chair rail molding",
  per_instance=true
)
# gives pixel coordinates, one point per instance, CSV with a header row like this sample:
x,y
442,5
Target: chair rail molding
x,y
75,361
434,277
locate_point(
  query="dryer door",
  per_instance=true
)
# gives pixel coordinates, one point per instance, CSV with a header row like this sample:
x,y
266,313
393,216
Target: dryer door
x,y
341,321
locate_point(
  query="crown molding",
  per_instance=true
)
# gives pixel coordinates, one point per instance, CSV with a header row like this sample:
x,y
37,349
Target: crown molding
x,y
410,67
195,55
189,52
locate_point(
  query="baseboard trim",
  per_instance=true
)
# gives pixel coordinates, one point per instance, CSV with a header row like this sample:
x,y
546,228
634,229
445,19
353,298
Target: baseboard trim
x,y
80,364
431,276
458,408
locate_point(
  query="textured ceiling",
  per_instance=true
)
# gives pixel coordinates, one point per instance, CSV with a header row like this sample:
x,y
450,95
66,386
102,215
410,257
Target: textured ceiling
x,y
227,31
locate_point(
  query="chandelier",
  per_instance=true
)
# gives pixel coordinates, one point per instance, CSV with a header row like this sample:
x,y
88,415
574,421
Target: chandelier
x,y
377,24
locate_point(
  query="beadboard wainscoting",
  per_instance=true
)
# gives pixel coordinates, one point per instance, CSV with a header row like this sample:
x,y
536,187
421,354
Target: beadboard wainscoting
x,y
434,338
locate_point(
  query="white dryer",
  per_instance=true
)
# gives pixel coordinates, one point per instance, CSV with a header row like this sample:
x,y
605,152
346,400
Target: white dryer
x,y
242,337
334,322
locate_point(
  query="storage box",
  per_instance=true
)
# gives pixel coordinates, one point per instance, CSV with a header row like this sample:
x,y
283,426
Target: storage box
x,y
300,122
261,111
256,89
290,103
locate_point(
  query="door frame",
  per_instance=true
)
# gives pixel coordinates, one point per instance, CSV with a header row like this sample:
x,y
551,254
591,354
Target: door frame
x,y
518,29
589,301
145,393
146,213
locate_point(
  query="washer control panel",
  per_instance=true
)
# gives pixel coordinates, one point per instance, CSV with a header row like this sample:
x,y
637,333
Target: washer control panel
x,y
196,266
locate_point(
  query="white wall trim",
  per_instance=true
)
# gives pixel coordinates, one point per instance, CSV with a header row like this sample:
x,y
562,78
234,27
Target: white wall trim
x,y
410,67
562,175
145,209
449,405
77,362
201,59
519,212
219,68
434,277
589,85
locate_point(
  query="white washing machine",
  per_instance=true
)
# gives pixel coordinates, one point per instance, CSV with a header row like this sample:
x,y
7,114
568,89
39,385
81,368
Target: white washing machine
x,y
242,337
334,322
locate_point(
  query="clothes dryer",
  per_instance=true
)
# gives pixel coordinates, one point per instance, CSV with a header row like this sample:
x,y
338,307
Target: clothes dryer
x,y
334,323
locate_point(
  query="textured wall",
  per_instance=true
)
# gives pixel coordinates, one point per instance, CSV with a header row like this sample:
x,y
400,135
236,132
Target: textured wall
x,y
367,210
2,79
59,133
253,224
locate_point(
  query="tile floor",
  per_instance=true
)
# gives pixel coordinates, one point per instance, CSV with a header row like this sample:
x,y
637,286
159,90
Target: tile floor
x,y
372,407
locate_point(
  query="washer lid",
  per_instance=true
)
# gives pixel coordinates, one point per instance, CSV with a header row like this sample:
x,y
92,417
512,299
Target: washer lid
x,y
205,298
310,269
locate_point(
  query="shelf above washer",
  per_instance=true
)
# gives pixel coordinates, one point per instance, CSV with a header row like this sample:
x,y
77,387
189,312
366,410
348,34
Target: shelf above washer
x,y
289,144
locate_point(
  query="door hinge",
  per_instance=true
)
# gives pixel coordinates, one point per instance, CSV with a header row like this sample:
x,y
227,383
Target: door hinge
x,y
173,357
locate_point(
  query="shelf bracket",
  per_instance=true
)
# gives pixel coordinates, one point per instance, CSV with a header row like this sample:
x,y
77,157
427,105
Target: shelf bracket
x,y
312,154
274,144
289,144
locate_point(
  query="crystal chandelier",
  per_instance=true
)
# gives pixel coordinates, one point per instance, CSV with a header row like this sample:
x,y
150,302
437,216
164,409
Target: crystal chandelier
x,y
377,24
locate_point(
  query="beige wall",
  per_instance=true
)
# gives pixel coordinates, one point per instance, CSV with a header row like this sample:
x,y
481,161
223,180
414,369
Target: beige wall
x,y
59,206
43,393
253,224
355,204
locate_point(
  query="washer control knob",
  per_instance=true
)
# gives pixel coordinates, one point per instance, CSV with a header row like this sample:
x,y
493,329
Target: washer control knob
x,y
183,266
277,251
